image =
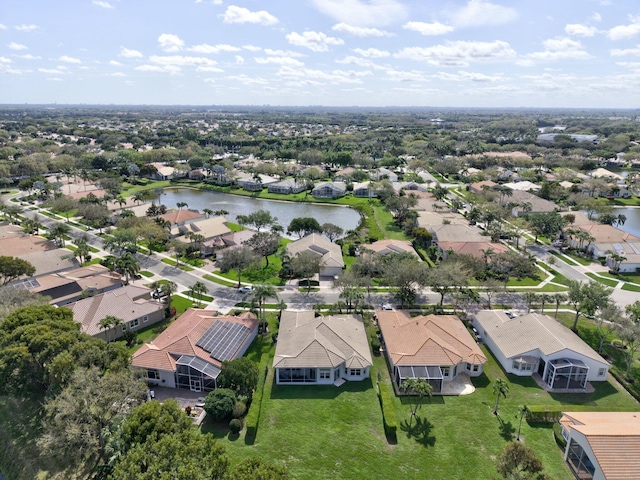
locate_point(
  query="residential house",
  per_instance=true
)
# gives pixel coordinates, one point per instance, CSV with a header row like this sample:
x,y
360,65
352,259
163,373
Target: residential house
x,y
321,350
163,172
71,285
456,233
233,240
190,352
536,344
602,445
525,186
388,246
427,219
289,185
474,249
329,190
365,190
254,183
131,304
437,348
410,187
180,217
211,229
331,253
525,203
604,238
381,173
479,187
344,174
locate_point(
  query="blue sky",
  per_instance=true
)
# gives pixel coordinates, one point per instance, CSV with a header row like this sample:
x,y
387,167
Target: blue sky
x,y
476,53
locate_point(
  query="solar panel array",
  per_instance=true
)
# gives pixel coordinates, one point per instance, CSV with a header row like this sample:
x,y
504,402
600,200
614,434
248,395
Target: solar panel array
x,y
223,339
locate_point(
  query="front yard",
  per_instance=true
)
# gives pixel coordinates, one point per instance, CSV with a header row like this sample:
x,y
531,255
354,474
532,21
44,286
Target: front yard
x,y
328,432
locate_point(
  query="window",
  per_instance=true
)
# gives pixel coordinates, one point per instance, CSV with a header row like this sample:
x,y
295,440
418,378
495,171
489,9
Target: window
x,y
354,372
445,371
602,372
134,323
476,368
325,374
516,365
469,366
153,375
145,319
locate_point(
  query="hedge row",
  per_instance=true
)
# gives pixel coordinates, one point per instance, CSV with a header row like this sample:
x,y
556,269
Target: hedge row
x,y
557,434
253,417
553,413
388,413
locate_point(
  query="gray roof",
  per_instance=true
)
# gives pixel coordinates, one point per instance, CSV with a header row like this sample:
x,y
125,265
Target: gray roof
x,y
127,303
533,331
330,252
457,233
307,341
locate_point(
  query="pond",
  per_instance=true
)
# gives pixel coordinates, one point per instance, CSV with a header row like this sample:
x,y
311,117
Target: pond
x,y
344,217
632,224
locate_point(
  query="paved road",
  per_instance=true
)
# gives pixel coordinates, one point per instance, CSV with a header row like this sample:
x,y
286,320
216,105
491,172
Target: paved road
x,y
542,252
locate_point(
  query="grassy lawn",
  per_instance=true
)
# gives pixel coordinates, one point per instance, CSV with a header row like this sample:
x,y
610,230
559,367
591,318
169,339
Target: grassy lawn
x,y
578,259
182,266
552,288
180,303
258,274
348,423
146,274
525,282
198,296
604,281
384,219
631,288
565,258
217,280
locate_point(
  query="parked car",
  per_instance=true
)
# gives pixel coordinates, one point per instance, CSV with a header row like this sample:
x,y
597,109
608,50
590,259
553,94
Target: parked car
x,y
386,306
245,289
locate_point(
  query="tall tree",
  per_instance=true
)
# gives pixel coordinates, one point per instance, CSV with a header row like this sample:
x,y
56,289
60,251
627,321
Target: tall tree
x,y
59,231
306,265
500,389
447,276
240,375
587,298
128,265
264,244
198,290
260,294
418,387
259,219
519,462
406,275
238,259
331,231
14,267
303,226
523,412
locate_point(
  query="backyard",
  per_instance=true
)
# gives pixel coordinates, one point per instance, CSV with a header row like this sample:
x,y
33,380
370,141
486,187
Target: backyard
x,y
328,432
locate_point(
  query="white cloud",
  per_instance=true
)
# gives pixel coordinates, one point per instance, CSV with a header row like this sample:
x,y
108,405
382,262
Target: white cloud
x,y
596,17
577,30
102,4
68,59
5,60
561,48
239,60
181,60
171,69
626,51
28,56
292,62
115,63
54,79
235,14
359,61
458,53
435,28
363,13
314,41
283,53
372,52
479,12
463,76
17,46
252,48
26,28
3,27
128,53
170,42
404,76
248,80
206,48
361,31
209,69
117,74
52,71
622,32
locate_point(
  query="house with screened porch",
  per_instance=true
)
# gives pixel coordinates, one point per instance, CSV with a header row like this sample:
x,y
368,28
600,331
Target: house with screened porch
x,y
538,345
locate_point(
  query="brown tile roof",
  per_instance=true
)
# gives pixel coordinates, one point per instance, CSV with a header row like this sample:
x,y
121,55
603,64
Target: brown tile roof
x,y
181,336
181,216
614,438
384,247
607,233
427,340
330,252
305,340
471,248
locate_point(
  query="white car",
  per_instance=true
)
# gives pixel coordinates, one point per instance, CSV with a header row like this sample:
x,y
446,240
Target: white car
x,y
387,306
245,289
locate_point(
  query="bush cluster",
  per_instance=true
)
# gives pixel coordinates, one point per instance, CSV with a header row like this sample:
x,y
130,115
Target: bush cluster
x,y
388,413
253,417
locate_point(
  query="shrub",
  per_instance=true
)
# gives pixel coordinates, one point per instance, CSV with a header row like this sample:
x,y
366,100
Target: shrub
x,y
388,413
239,409
375,344
241,375
220,403
253,416
235,426
557,434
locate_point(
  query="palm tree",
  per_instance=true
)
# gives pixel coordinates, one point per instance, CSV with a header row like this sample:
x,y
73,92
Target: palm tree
x,y
207,212
168,289
121,201
559,298
261,293
419,387
105,324
523,412
500,388
110,322
182,205
59,231
199,289
139,197
128,265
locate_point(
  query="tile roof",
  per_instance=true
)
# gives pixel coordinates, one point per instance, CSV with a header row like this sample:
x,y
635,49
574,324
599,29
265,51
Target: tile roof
x,y
181,336
614,438
606,233
457,233
209,228
330,252
305,340
472,248
427,340
532,331
127,303
387,246
181,216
